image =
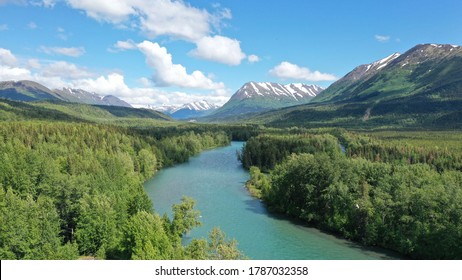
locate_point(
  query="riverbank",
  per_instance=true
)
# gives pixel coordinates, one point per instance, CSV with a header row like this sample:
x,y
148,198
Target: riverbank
x,y
216,179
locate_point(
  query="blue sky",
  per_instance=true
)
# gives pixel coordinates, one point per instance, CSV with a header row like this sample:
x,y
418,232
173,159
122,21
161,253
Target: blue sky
x,y
154,52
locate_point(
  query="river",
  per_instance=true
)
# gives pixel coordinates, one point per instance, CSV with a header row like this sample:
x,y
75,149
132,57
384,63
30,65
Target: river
x,y
215,179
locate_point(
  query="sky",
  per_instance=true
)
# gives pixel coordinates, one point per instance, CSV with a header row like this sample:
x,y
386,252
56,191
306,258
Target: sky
x,y
167,52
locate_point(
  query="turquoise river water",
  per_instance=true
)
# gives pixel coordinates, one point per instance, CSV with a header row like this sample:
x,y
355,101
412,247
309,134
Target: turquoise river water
x,y
215,179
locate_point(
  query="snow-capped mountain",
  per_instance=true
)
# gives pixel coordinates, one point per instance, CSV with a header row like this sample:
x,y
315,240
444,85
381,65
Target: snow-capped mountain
x,y
82,96
296,92
193,110
197,106
167,109
370,79
256,97
186,111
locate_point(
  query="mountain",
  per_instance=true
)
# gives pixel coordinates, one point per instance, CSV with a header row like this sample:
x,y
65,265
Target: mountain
x,y
186,111
358,74
25,91
420,69
256,97
419,88
166,109
57,110
32,91
194,110
82,96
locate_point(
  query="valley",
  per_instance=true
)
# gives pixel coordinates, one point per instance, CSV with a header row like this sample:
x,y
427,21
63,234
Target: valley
x,y
373,159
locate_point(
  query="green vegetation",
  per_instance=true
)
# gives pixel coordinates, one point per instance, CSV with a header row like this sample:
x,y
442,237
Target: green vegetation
x,y
418,89
64,111
75,189
392,193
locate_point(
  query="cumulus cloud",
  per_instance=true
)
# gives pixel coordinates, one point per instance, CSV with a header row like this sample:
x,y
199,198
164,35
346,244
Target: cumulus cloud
x,y
58,74
65,70
123,46
7,58
220,49
253,58
382,38
169,74
141,97
73,51
113,83
14,73
154,17
104,10
287,70
174,18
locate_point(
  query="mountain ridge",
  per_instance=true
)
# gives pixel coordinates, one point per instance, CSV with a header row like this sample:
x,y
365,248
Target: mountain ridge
x,y
27,91
255,97
420,88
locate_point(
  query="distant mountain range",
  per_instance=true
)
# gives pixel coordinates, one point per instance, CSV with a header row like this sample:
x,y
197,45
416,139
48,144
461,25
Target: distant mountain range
x,y
256,97
32,91
419,88
187,111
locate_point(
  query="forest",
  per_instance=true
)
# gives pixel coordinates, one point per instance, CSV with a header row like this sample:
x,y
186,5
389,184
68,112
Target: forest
x,y
397,191
75,190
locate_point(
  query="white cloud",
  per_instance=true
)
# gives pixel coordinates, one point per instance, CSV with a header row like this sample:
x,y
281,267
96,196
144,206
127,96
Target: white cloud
x,y
8,73
382,38
253,58
3,27
65,70
173,18
73,51
154,17
123,46
105,10
287,70
151,96
220,49
58,74
113,84
7,58
34,63
169,74
145,82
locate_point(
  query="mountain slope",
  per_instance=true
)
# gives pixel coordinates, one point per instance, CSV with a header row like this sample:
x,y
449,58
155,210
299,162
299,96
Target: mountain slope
x,y
255,97
25,91
32,91
191,110
422,68
65,111
82,96
420,88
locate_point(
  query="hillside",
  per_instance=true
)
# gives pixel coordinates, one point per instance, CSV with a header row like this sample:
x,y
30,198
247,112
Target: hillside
x,y
26,91
65,111
255,97
420,88
32,91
